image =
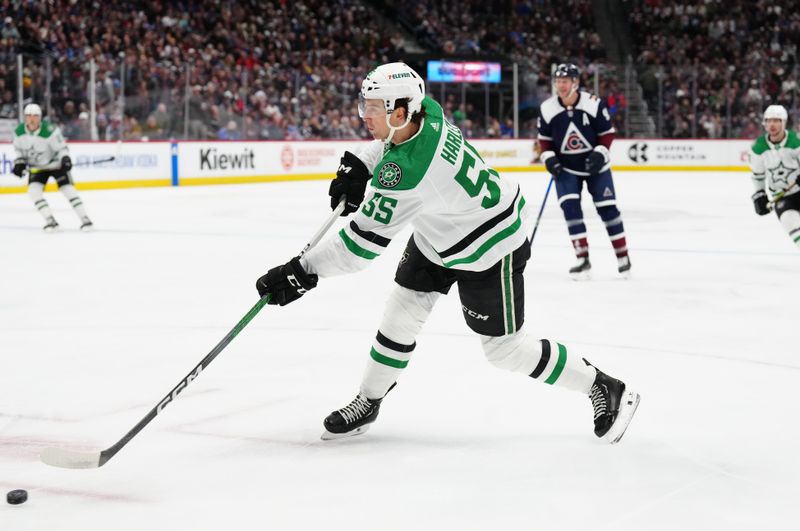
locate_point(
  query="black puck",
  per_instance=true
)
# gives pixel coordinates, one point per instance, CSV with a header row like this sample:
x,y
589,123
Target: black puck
x,y
15,497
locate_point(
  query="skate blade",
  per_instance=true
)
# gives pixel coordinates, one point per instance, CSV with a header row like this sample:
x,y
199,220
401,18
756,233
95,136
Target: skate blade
x,y
328,436
630,401
583,275
89,228
51,229
625,275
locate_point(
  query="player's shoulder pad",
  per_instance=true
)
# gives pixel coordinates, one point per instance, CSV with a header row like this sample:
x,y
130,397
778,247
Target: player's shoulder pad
x,y
760,145
589,103
793,142
47,129
20,130
550,108
396,172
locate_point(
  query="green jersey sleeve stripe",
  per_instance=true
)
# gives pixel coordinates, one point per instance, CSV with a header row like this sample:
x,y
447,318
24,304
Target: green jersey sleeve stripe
x,y
355,248
491,242
480,231
385,360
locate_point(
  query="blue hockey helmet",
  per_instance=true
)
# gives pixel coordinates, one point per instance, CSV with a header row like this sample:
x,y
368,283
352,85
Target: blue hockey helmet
x,y
567,70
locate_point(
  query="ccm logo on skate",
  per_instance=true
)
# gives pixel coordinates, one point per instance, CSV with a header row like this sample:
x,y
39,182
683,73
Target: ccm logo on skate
x,y
177,390
475,315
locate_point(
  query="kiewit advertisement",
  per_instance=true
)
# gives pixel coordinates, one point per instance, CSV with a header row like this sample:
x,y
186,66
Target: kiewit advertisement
x,y
102,165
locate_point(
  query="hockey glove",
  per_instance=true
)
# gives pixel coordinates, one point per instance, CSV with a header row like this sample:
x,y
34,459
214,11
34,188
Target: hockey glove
x,y
351,182
19,167
760,203
286,283
66,163
595,162
553,166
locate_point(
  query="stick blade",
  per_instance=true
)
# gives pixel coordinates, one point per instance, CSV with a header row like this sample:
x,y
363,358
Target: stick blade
x,y
62,458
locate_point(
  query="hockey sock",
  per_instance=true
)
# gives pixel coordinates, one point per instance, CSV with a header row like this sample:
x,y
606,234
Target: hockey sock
x,y
406,312
614,227
581,246
790,219
72,196
558,366
543,360
36,193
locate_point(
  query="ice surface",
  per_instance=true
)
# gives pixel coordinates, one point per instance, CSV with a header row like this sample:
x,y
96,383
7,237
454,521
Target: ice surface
x,y
95,328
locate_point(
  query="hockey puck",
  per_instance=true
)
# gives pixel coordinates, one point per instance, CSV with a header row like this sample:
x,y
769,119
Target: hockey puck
x,y
15,497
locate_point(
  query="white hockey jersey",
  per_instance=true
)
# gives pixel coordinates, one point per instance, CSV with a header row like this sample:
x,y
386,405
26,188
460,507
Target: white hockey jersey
x,y
464,215
776,166
41,149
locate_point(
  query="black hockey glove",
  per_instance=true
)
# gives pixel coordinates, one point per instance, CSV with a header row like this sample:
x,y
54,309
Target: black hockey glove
x,y
553,166
286,283
760,203
351,182
595,162
66,163
19,167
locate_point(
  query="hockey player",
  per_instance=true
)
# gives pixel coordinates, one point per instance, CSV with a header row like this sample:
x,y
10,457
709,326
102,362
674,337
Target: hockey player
x,y
470,229
575,134
42,149
775,161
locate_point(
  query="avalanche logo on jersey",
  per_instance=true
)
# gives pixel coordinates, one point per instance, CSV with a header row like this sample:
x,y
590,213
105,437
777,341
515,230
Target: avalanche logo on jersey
x,y
574,142
390,174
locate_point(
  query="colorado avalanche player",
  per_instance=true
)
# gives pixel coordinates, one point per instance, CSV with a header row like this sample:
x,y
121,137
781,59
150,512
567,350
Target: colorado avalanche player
x,y
575,134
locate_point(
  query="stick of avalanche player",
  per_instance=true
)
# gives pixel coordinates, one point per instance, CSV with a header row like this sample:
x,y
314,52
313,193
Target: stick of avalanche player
x,y
775,161
41,147
470,229
575,134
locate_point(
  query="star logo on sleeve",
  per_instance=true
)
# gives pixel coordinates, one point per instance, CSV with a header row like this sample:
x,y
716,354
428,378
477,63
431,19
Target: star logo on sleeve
x,y
782,177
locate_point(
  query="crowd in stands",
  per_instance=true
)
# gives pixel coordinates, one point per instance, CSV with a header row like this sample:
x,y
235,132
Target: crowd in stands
x,y
721,62
207,69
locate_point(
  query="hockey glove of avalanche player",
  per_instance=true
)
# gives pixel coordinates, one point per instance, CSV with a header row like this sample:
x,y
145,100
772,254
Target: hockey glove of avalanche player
x,y
19,167
760,203
596,160
286,283
553,165
351,182
66,163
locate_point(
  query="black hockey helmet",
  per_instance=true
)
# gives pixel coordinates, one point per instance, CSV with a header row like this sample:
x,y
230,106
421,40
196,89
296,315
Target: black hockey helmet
x,y
567,70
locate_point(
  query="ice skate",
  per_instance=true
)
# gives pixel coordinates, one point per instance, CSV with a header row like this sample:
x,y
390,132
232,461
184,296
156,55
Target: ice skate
x,y
86,224
51,224
582,270
624,266
353,419
614,406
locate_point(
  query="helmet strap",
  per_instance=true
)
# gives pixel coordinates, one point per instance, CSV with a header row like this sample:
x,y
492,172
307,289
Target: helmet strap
x,y
392,129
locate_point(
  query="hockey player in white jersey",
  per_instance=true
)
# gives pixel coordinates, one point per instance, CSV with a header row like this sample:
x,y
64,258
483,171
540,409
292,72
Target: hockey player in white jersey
x,y
41,148
470,229
775,161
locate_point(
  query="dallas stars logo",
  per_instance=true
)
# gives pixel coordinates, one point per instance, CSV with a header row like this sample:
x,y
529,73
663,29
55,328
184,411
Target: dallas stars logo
x,y
390,175
782,177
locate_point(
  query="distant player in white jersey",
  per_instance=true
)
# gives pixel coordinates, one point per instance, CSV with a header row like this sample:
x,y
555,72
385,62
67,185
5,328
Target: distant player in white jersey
x,y
470,229
775,161
41,148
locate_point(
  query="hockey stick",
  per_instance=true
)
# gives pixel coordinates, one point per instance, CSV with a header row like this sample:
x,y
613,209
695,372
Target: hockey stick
x,y
541,209
93,162
75,459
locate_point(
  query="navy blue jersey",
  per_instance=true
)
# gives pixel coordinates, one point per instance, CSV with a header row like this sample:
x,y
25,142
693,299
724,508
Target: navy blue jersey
x,y
572,133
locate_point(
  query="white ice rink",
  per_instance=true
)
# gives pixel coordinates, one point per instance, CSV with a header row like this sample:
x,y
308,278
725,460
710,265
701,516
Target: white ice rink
x,y
95,328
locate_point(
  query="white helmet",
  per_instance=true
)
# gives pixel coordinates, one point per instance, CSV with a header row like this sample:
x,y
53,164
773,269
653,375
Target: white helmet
x,y
777,112
32,109
389,83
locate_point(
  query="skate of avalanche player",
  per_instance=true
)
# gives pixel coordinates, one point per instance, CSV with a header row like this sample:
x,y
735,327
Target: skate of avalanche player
x,y
42,149
775,161
470,229
575,134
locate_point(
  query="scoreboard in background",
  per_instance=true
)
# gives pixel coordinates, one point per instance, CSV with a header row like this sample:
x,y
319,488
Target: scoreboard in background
x,y
463,72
